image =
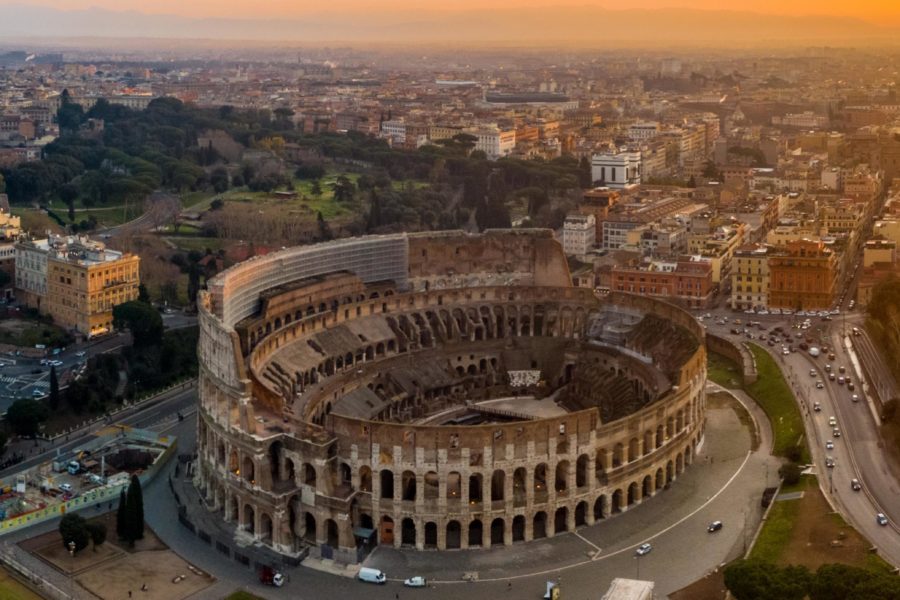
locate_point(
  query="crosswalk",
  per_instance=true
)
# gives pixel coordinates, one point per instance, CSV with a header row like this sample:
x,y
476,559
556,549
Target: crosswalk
x,y
38,384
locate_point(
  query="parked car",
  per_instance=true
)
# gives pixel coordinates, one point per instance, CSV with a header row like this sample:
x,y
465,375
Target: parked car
x,y
416,581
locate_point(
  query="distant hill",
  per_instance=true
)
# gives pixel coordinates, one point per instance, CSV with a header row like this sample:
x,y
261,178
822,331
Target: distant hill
x,y
585,26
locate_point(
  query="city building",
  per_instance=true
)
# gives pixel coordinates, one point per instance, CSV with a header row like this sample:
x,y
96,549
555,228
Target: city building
x,y
84,281
687,282
31,272
579,234
597,203
616,169
493,141
750,277
802,276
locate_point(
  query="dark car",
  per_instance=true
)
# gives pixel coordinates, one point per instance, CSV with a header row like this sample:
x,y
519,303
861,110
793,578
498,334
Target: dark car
x,y
855,485
714,526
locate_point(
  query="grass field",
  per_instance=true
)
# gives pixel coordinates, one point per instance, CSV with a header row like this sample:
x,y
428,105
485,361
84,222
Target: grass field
x,y
806,532
723,371
242,595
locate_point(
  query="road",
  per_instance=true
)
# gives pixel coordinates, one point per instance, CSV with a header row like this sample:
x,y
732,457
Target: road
x,y
160,208
858,453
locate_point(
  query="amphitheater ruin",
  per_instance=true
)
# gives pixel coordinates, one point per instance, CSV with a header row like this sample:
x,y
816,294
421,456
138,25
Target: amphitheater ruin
x,y
436,391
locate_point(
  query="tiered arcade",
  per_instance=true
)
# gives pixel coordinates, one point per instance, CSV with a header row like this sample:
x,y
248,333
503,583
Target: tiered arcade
x,y
351,392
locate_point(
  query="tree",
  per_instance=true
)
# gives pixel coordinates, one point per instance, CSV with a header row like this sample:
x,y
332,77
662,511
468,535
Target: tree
x,y
73,528
193,283
754,580
134,509
790,472
692,182
122,516
316,189
25,416
219,180
343,189
143,294
3,440
97,531
54,389
143,320
2,184
836,582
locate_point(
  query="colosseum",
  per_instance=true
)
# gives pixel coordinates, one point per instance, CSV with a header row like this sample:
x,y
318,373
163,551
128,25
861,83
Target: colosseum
x,y
436,391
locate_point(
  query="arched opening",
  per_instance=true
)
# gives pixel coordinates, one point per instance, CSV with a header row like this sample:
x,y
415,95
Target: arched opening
x,y
539,529
562,476
540,479
498,483
559,520
408,532
309,523
309,475
346,473
519,490
475,495
408,486
660,479
497,528
249,519
617,501
618,455
289,474
432,486
518,529
387,484
633,449
647,487
331,533
275,458
365,479
386,536
454,535
265,528
601,508
679,464
581,469
431,534
660,437
454,485
476,533
248,470
234,464
670,472
581,514
633,493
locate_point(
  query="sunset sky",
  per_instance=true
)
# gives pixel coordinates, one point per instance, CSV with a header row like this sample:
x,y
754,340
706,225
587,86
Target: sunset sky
x,y
886,12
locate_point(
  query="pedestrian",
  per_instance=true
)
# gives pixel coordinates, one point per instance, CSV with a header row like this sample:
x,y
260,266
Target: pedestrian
x,y
397,596
509,586
129,593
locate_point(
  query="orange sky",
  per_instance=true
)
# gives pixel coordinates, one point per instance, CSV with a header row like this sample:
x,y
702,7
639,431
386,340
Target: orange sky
x,y
885,12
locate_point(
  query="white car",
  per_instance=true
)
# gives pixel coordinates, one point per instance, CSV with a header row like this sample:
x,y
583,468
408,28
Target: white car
x,y
832,421
80,353
66,487
829,445
416,581
643,549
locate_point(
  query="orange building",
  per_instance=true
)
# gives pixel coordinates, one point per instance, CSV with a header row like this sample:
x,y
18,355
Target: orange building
x,y
802,276
598,202
688,283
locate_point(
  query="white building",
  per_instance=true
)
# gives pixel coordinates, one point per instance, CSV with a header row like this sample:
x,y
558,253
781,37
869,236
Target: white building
x,y
579,234
394,130
31,271
643,131
494,142
616,169
805,120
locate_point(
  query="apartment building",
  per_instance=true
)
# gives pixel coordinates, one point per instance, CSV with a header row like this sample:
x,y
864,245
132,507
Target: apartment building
x,y
750,277
685,282
616,169
31,271
802,276
579,234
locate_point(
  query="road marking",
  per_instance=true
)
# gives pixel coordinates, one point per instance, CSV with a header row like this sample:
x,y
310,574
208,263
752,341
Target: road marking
x,y
588,542
617,552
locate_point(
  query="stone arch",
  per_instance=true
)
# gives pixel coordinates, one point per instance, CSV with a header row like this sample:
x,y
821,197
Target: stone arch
x,y
560,520
249,515
520,483
581,470
476,494
408,486
670,472
660,436
309,527
660,479
386,479
408,532
265,528
618,455
648,442
331,533
562,476
234,463
431,536
498,529
454,535
633,449
518,528
601,507
431,485
540,478
498,485
454,485
634,493
539,529
581,514
365,478
476,533
617,501
647,487
309,474
248,469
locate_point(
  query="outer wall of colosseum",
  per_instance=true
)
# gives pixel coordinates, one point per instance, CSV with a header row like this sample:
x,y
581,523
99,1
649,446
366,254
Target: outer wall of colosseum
x,y
317,373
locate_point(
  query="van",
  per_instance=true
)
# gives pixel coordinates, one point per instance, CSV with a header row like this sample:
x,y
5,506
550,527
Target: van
x,y
371,575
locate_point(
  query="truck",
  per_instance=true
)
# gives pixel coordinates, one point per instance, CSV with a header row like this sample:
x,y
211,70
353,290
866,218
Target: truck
x,y
74,467
269,576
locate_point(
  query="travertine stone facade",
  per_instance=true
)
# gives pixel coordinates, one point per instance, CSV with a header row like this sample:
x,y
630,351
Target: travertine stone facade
x,y
326,393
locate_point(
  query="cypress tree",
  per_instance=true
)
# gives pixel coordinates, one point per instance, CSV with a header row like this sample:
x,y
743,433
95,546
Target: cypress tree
x,y
135,509
122,517
54,389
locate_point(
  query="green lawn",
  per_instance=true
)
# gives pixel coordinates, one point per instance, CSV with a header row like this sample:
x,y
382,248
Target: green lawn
x,y
242,595
775,397
776,531
723,371
11,589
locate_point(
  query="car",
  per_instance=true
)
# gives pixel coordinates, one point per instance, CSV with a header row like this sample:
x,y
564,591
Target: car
x,y
817,407
855,485
828,367
829,462
417,581
831,377
785,351
842,369
643,549
813,373
854,398
841,380
819,385
831,356
832,421
881,519
66,487
850,385
836,432
80,354
829,445
56,363
714,526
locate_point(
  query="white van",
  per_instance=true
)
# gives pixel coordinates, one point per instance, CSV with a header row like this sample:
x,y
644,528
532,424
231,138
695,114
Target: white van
x,y
371,575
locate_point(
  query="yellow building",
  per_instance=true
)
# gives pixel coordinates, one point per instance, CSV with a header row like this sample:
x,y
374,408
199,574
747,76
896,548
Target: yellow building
x,y
750,277
718,247
85,280
879,251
